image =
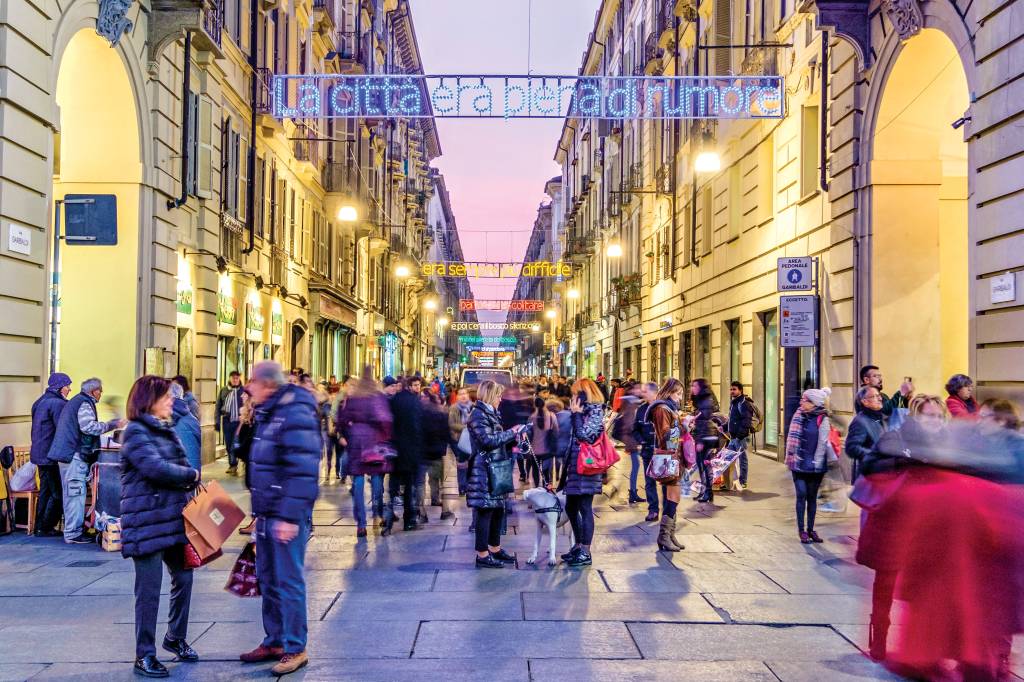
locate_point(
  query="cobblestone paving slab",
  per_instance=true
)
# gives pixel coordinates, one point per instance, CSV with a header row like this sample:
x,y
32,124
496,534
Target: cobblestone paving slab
x,y
78,643
14,672
529,579
414,670
583,670
204,671
803,609
391,606
690,580
452,639
847,669
692,608
738,642
327,640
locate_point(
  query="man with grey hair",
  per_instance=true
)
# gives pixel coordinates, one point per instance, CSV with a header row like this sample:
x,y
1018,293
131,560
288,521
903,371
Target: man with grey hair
x,y
284,467
74,449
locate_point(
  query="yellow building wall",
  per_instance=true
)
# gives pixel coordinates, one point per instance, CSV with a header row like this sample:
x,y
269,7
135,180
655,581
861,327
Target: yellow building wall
x,y
99,154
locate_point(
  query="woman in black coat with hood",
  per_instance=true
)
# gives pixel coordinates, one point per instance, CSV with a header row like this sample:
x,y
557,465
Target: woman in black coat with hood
x,y
705,432
490,443
155,483
588,410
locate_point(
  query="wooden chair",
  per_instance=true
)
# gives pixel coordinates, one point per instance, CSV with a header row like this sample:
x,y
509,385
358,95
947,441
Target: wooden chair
x,y
21,456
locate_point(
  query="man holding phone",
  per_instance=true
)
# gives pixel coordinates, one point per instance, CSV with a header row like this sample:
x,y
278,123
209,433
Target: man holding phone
x,y
871,376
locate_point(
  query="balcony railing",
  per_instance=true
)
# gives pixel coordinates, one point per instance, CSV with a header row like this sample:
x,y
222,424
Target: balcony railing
x,y
213,19
278,265
264,98
626,290
652,54
636,176
761,61
665,22
306,144
231,231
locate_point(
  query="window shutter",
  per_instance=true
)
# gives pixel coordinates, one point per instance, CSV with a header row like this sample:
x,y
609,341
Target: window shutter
x,y
723,36
243,177
204,148
189,105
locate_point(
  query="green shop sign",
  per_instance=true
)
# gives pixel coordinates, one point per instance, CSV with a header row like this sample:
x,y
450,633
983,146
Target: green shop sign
x,y
227,310
254,319
277,324
184,302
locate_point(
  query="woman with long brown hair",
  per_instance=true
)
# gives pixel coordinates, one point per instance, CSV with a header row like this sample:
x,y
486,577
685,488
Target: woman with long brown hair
x,y
664,415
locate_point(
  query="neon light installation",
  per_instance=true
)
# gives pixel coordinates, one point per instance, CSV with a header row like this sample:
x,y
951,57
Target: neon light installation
x,y
541,268
515,96
467,305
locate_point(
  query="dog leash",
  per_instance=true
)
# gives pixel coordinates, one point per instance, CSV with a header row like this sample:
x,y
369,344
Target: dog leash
x,y
525,442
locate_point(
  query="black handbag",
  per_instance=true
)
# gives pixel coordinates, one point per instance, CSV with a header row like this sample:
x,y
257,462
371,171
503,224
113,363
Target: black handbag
x,y
499,476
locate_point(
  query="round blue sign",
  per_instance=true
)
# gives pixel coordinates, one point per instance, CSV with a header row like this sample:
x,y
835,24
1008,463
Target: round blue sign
x,y
794,276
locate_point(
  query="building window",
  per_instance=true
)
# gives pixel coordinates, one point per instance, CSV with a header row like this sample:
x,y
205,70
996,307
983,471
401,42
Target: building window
x,y
321,246
723,36
735,202
809,150
260,200
731,369
703,356
766,180
229,155
707,220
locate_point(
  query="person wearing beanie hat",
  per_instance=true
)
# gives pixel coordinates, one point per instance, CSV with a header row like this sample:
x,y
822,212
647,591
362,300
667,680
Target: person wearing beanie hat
x,y
807,445
45,414
391,385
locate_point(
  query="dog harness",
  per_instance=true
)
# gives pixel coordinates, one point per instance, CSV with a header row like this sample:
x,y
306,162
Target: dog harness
x,y
527,447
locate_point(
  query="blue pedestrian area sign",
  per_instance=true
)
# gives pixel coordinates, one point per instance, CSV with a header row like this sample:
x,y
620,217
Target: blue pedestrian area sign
x,y
796,274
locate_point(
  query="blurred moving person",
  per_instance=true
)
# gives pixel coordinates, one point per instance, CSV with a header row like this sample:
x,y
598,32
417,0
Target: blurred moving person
x,y
705,433
363,424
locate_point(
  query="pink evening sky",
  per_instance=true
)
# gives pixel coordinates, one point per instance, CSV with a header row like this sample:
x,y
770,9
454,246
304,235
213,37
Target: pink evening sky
x,y
495,170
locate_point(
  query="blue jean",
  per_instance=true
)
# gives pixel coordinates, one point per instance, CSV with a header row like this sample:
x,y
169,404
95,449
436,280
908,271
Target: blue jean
x,y
73,476
741,445
279,570
359,497
634,471
229,429
650,485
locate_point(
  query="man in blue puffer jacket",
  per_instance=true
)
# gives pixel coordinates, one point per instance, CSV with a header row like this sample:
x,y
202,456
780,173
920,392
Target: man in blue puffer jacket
x,y
284,464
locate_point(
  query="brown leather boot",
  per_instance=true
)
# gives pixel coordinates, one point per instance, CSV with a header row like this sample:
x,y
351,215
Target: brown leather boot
x,y
665,543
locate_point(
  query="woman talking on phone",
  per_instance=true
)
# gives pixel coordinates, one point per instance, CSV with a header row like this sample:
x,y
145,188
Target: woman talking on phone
x,y
587,409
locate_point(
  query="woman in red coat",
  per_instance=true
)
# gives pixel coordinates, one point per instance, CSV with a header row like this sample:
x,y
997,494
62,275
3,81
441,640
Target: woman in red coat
x,y
961,403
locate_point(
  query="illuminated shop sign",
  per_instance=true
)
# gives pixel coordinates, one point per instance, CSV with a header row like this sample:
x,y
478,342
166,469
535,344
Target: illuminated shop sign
x,y
491,358
515,96
540,268
492,326
467,340
468,305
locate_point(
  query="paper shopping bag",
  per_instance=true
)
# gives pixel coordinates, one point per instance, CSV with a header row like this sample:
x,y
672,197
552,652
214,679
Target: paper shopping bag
x,y
210,518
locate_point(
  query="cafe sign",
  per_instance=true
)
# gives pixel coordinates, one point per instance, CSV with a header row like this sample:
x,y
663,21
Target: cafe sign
x,y
497,270
227,309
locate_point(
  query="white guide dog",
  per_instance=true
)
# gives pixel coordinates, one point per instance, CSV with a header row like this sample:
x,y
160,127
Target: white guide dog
x,y
549,509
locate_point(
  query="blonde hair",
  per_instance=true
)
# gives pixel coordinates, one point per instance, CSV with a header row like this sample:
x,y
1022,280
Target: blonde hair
x,y
922,399
588,386
489,391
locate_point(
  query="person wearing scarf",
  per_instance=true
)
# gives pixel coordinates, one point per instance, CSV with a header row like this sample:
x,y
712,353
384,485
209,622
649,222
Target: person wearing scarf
x,y
806,457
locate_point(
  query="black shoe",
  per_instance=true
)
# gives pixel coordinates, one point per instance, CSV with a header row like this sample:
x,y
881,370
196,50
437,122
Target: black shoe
x,y
651,516
571,554
181,650
634,498
489,562
82,539
435,504
47,533
581,559
410,525
446,515
503,556
148,666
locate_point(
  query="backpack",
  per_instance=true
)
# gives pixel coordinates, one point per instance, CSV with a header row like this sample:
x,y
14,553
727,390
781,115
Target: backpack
x,y
756,418
835,441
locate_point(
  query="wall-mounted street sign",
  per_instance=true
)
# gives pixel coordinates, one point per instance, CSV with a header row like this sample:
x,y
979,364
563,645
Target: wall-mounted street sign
x,y
522,305
516,96
798,315
541,268
796,274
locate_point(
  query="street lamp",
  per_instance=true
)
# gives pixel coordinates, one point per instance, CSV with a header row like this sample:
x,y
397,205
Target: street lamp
x,y
348,214
614,250
430,304
402,271
551,314
442,321
707,162
573,293
535,328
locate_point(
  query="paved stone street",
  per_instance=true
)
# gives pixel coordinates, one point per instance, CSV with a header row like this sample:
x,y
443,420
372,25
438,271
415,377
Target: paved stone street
x,y
744,601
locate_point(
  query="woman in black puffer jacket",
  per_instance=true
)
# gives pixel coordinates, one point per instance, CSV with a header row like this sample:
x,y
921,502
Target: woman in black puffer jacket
x,y
705,432
490,443
155,483
587,409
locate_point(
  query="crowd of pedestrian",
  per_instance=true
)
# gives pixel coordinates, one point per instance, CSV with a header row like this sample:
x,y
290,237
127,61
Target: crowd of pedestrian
x,y
938,480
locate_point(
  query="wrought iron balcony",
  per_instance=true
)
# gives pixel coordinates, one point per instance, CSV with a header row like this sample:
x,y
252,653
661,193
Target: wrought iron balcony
x,y
761,61
652,55
665,22
306,144
231,235
203,18
636,177
264,97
